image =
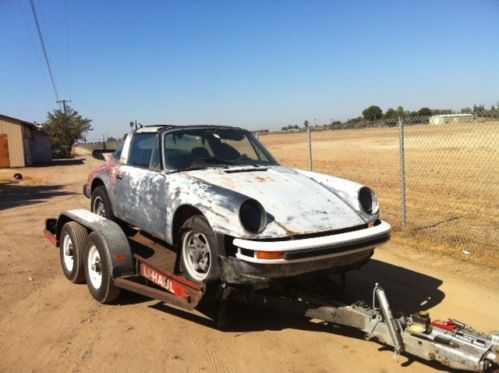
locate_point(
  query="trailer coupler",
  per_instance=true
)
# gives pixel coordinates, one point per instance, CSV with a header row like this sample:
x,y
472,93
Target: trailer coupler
x,y
451,343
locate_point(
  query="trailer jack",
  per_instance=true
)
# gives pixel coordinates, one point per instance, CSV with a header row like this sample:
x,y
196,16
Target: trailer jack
x,y
451,342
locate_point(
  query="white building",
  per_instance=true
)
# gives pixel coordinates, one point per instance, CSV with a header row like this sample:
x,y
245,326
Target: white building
x,y
451,118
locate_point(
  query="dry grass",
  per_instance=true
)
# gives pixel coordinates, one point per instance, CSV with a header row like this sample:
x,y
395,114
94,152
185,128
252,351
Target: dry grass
x,y
452,179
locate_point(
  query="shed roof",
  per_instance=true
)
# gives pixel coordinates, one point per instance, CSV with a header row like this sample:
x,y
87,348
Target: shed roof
x,y
17,121
23,123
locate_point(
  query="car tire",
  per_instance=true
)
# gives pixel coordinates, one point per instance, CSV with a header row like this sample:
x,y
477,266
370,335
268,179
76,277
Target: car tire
x,y
100,204
198,251
98,270
71,243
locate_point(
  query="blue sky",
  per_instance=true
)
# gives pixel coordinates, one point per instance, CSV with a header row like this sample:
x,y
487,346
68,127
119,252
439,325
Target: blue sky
x,y
257,64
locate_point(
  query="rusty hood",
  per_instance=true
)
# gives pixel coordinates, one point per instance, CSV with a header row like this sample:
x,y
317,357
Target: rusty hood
x,y
292,200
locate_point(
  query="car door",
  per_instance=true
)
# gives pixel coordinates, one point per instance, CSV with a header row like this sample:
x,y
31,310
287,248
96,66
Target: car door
x,y
141,186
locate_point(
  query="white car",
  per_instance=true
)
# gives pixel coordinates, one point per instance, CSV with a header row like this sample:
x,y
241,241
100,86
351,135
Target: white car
x,y
233,213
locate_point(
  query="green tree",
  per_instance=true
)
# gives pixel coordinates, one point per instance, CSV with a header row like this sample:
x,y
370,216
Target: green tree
x,y
478,108
424,112
305,124
401,112
391,114
373,112
66,127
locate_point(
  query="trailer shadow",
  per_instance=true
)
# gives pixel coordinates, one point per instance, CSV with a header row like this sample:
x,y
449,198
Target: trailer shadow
x,y
14,195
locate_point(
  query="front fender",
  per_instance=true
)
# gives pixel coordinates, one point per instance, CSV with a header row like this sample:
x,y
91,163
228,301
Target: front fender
x,y
219,205
347,190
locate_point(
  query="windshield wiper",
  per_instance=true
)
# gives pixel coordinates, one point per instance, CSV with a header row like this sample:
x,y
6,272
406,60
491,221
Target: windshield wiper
x,y
241,162
191,168
217,160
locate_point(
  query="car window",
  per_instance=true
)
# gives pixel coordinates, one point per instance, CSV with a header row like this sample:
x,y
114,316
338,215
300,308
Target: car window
x,y
156,156
181,147
208,147
141,149
240,148
117,152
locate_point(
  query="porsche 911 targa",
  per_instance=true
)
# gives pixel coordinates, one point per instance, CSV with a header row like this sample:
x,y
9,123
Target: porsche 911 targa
x,y
231,211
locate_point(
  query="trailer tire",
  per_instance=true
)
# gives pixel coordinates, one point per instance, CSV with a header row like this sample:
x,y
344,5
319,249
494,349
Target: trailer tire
x,y
98,269
72,241
100,203
198,270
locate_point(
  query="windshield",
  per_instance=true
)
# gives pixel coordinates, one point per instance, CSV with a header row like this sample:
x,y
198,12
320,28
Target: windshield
x,y
213,147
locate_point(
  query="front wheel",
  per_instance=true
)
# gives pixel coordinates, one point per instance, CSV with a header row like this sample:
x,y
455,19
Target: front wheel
x,y
198,254
98,270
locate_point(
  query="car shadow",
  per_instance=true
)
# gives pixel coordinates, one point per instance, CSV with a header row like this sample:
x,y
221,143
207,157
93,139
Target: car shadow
x,y
407,291
16,195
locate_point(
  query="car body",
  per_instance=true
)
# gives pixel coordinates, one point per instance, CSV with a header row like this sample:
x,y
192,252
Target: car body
x,y
264,220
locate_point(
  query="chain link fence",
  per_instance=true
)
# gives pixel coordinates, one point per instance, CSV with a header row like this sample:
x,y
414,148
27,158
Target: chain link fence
x,y
437,178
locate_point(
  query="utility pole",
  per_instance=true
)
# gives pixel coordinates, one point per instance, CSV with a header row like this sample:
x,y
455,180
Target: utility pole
x,y
63,102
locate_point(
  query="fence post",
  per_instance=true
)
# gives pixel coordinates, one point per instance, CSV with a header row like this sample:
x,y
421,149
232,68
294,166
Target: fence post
x,y
310,163
402,173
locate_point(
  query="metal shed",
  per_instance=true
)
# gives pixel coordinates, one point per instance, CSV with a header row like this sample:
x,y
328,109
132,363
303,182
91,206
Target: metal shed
x,y
22,143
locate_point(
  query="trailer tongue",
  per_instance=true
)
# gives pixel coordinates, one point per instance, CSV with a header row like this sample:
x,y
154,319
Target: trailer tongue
x,y
100,248
452,343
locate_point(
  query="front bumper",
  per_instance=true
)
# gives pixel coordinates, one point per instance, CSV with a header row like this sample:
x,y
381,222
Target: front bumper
x,y
235,271
315,248
333,253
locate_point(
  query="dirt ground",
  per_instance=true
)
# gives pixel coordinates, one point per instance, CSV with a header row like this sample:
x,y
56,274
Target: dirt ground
x,y
48,324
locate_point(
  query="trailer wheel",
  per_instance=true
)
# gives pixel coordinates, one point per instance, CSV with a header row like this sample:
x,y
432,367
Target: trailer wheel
x,y
198,254
100,203
98,269
72,241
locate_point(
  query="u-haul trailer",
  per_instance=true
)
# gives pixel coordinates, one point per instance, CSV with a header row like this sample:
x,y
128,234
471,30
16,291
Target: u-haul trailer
x,y
99,251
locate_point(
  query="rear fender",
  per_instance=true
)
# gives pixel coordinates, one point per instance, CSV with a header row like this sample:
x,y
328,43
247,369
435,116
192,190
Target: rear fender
x,y
118,247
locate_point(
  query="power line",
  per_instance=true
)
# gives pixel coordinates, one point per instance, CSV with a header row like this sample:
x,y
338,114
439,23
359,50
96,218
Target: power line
x,y
68,58
44,49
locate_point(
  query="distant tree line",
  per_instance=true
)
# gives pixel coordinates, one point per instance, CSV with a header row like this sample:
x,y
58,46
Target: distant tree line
x,y
290,127
374,113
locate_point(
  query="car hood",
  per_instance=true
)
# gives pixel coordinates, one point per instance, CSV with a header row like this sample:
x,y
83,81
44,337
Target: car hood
x,y
293,200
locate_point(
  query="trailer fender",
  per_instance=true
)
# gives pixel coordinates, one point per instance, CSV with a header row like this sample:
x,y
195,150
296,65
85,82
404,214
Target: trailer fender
x,y
116,241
